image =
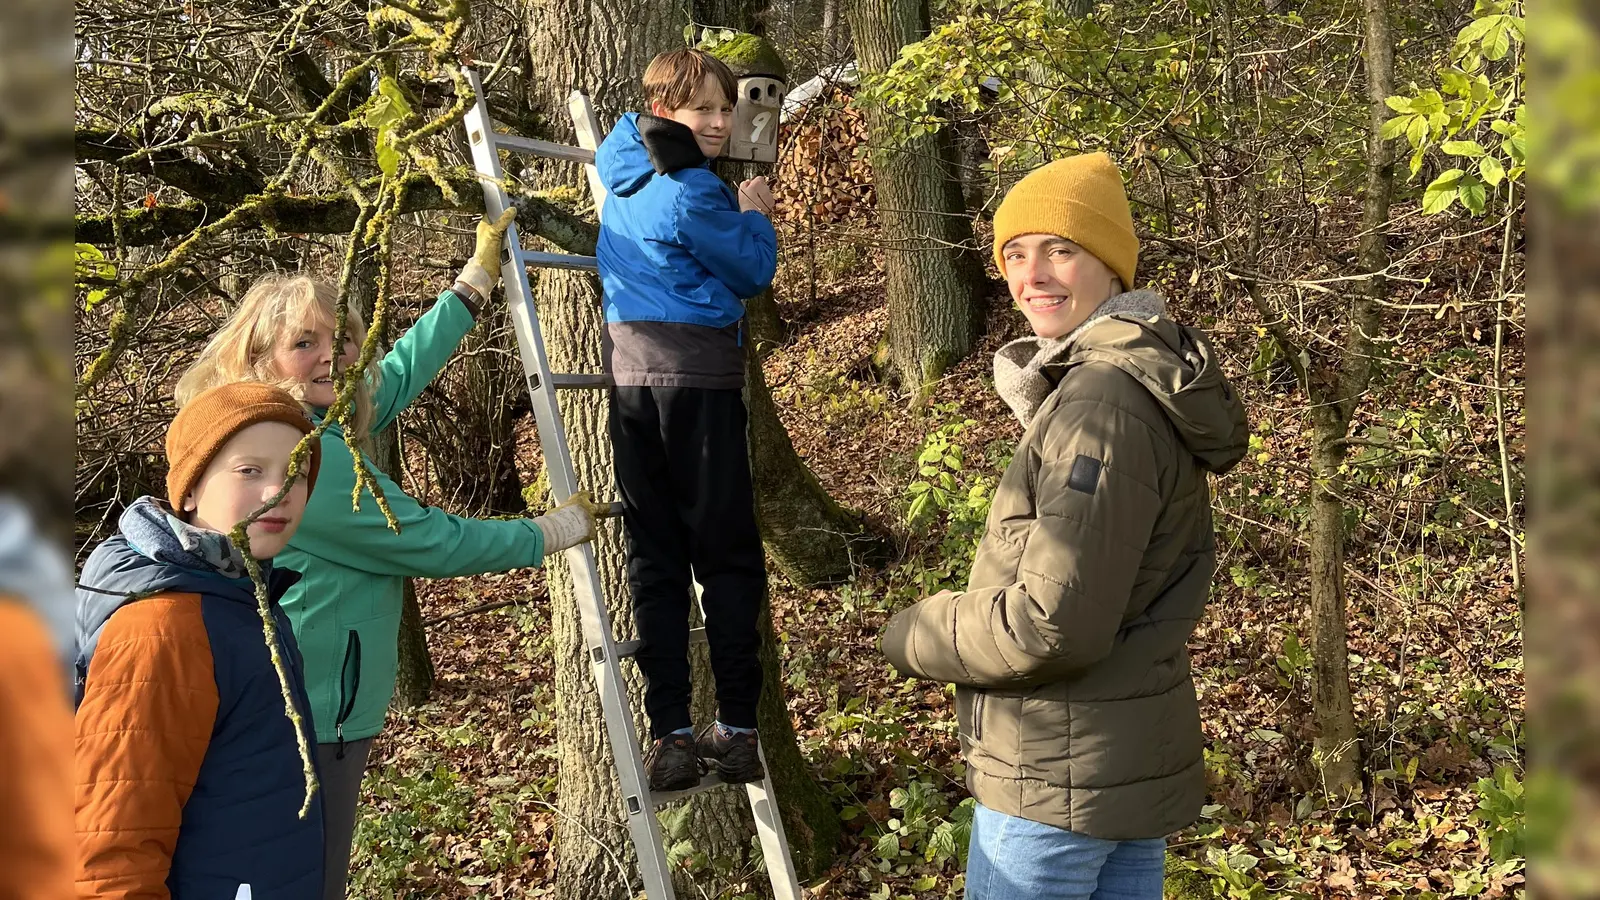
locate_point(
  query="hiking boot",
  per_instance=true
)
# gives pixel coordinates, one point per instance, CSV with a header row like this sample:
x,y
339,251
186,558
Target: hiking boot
x,y
671,764
733,754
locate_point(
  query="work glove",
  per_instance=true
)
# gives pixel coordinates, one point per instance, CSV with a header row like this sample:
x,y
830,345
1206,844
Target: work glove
x,y
482,271
569,524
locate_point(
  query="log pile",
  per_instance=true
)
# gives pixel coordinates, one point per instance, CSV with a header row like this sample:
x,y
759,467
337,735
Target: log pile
x,y
822,176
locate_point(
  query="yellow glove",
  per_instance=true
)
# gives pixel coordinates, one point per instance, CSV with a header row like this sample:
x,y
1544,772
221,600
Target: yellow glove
x,y
482,272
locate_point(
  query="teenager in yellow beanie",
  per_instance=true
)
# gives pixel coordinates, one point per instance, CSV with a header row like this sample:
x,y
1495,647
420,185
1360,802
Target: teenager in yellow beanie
x,y
1077,715
1063,238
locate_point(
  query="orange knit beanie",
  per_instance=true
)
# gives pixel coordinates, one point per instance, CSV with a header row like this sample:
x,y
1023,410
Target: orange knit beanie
x,y
210,419
1079,198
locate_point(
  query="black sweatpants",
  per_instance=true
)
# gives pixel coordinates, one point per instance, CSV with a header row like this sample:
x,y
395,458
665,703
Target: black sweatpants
x,y
683,469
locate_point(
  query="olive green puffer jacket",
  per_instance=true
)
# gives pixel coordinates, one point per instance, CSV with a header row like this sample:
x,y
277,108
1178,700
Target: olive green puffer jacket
x,y
1068,649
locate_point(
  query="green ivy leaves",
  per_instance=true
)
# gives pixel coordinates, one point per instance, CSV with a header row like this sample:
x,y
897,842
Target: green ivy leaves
x,y
387,112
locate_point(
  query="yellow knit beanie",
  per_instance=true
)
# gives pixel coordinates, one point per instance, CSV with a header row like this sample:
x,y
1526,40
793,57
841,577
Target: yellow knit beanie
x,y
1079,198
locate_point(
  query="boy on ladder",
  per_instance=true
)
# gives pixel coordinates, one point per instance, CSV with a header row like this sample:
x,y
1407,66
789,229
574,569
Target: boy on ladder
x,y
678,253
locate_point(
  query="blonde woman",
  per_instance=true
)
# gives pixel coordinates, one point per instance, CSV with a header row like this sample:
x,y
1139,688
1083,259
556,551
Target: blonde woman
x,y
345,610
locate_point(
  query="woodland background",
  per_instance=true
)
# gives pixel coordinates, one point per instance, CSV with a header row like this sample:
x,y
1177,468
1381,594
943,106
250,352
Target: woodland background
x,y
1336,191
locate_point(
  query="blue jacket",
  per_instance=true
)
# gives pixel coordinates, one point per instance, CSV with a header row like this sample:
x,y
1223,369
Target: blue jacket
x,y
188,773
674,246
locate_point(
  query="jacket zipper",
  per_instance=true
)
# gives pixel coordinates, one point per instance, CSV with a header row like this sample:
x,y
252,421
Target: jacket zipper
x,y
349,684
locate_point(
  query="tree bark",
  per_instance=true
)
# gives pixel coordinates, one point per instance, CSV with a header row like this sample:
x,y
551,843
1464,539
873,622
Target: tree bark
x,y
813,540
1337,749
603,48
933,279
830,22
600,48
414,679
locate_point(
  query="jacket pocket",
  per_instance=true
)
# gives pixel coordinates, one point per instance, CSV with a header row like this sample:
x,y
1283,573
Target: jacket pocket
x,y
349,680
979,698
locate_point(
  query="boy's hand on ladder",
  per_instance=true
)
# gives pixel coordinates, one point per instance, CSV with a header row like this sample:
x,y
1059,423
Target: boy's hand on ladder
x,y
482,272
569,524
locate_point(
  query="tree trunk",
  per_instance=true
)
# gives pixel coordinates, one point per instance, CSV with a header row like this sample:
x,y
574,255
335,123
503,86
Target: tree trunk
x,y
1337,748
603,48
600,48
812,539
933,279
414,682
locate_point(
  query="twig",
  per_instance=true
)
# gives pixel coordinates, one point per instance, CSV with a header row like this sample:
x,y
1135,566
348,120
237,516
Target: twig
x,y
1499,393
482,608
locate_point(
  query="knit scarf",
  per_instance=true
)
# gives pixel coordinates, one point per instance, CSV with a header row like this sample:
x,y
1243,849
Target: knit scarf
x,y
1019,366
165,538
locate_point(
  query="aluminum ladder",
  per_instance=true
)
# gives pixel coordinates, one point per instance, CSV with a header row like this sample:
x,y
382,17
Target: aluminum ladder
x,y
605,652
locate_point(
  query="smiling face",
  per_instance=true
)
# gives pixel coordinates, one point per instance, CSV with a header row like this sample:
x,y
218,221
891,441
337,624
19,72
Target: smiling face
x,y
1055,282
305,357
248,471
709,114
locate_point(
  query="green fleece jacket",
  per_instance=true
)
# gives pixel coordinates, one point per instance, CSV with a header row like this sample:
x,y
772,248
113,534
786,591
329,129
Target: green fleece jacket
x,y
346,608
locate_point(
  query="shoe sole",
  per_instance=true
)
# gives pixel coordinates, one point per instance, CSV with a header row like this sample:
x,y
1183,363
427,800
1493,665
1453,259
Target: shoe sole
x,y
680,780
730,775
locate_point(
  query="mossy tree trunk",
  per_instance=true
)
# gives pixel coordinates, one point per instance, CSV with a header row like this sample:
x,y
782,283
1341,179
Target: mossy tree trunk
x,y
602,48
934,282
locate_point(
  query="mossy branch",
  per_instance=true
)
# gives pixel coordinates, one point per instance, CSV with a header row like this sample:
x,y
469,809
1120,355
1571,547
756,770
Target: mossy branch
x,y
366,211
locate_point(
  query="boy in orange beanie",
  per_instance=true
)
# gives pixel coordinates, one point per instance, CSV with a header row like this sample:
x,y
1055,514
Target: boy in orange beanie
x,y
1077,715
189,776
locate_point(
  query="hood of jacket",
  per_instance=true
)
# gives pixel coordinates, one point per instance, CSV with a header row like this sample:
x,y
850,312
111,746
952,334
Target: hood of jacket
x,y
642,146
155,552
1175,363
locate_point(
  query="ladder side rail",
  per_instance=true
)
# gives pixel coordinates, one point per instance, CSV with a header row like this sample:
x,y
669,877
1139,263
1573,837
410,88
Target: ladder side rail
x,y
769,829
644,829
587,128
763,799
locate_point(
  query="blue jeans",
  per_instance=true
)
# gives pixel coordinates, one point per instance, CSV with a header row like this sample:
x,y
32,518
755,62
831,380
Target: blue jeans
x,y
1018,859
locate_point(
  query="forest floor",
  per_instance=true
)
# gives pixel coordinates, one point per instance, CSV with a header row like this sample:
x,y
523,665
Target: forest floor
x,y
459,798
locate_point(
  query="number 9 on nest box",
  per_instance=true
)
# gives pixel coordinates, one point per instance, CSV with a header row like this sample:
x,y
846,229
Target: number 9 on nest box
x,y
755,119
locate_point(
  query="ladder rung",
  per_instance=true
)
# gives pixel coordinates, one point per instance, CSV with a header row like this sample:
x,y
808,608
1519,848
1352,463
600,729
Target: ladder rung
x,y
626,649
593,382
707,781
557,260
536,147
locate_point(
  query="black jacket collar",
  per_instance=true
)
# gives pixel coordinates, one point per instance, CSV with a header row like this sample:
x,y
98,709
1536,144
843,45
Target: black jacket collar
x,y
670,144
